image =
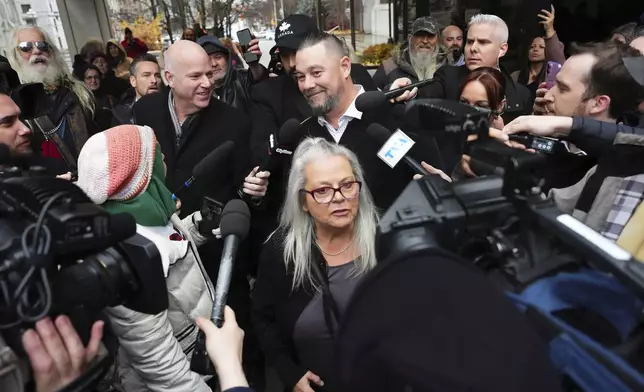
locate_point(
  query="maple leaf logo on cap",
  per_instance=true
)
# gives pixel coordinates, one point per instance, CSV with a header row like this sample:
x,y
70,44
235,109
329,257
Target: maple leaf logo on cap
x,y
285,26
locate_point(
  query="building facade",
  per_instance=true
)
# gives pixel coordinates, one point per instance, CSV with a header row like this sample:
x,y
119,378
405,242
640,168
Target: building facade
x,y
41,13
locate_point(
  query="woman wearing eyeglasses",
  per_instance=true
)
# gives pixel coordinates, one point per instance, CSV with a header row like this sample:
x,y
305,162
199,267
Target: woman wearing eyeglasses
x,y
311,264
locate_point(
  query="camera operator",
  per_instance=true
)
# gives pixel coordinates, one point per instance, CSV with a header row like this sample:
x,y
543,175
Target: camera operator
x,y
122,169
63,131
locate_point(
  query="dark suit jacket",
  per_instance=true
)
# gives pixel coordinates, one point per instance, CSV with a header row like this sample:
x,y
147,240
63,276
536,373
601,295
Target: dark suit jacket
x,y
213,126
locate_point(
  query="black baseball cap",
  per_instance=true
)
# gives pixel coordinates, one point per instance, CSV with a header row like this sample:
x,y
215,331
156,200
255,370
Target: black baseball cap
x,y
290,32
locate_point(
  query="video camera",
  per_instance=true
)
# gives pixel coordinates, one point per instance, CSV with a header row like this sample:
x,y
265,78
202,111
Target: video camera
x,y
62,254
502,222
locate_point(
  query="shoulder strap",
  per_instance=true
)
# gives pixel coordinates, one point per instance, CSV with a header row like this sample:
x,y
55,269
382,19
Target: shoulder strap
x,y
52,135
389,65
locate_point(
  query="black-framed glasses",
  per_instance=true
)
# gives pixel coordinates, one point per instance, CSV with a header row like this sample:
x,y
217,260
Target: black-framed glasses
x,y
29,46
324,195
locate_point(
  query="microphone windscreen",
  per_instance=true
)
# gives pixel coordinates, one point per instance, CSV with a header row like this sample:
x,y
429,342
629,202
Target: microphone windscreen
x,y
235,219
289,133
213,160
122,226
378,133
370,100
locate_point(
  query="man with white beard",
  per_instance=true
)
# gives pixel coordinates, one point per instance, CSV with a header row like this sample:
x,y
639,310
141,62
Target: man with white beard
x,y
63,129
421,58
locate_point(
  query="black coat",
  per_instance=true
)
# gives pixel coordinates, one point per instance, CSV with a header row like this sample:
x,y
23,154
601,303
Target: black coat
x,y
277,100
276,308
213,126
446,84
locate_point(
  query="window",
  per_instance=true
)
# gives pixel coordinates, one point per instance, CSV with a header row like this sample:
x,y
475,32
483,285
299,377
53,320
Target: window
x,y
25,8
60,43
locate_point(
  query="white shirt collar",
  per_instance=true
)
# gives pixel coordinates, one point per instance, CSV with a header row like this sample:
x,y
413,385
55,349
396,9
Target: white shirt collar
x,y
351,111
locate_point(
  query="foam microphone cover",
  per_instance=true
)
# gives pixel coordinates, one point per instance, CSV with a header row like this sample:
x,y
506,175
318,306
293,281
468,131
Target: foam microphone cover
x,y
213,160
235,219
378,133
289,133
370,100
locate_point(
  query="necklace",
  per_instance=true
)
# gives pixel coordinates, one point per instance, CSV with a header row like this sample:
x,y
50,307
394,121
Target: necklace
x,y
334,254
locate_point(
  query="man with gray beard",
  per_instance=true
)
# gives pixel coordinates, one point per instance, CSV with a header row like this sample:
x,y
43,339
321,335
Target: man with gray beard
x,y
68,122
419,60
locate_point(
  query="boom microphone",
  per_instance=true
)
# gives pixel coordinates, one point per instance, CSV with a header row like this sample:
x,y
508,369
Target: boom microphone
x,y
204,167
235,224
382,135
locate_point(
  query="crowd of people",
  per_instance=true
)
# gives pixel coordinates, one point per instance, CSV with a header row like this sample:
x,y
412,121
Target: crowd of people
x,y
129,133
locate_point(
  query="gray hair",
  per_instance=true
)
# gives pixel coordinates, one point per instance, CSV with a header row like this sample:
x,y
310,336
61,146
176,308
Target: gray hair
x,y
298,226
85,97
501,27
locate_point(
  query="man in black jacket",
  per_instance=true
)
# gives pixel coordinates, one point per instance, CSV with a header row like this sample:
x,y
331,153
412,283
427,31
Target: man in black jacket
x,y
189,124
232,85
145,78
323,77
486,43
277,100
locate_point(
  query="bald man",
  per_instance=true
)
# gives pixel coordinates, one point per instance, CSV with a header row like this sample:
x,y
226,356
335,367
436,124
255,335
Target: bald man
x,y
189,125
452,39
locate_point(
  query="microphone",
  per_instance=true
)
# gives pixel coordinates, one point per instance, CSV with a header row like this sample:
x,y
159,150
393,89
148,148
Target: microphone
x,y
204,167
235,224
395,147
399,91
288,134
370,100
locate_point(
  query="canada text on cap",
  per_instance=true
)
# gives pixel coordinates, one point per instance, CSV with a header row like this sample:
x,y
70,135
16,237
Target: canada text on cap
x,y
290,32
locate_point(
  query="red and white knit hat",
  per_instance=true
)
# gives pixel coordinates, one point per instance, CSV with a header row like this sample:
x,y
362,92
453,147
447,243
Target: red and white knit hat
x,y
117,164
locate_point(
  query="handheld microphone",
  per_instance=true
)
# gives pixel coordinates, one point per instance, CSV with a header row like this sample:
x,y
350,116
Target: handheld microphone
x,y
393,152
204,167
235,224
400,91
287,136
370,100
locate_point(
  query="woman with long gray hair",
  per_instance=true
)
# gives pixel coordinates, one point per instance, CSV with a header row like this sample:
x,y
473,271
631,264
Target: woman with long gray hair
x,y
311,264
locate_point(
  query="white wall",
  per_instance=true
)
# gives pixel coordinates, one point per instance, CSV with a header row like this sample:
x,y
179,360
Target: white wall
x,y
83,20
380,19
47,18
9,19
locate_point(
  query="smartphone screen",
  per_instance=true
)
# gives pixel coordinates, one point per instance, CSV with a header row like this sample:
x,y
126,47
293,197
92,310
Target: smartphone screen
x,y
552,70
244,36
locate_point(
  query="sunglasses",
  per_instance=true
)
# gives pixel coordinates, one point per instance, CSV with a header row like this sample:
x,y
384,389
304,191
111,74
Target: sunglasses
x,y
29,46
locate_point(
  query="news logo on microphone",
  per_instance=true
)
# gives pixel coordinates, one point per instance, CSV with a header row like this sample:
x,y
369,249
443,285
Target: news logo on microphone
x,y
395,149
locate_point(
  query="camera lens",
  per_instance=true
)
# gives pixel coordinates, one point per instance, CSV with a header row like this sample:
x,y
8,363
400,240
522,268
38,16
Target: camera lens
x,y
102,279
